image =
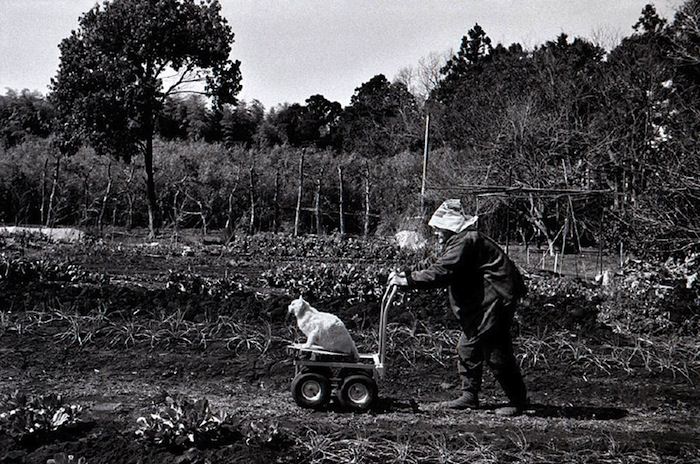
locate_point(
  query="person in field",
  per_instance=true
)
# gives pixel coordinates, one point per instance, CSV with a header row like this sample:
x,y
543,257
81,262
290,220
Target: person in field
x,y
484,287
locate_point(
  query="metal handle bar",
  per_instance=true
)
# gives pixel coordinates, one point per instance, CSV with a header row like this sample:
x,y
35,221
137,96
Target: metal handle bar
x,y
389,294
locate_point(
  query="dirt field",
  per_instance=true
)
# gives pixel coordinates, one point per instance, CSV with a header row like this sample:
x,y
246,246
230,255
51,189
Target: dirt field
x,y
588,404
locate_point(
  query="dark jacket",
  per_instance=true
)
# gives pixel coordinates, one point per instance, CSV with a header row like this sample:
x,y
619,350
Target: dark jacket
x,y
483,282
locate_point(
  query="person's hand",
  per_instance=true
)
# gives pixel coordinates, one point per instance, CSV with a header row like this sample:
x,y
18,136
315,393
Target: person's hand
x,y
398,279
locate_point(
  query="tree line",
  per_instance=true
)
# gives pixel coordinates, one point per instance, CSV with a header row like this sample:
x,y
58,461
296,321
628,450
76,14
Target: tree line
x,y
567,140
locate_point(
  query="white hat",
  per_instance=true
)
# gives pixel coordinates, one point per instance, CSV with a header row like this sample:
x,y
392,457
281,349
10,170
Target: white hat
x,y
450,216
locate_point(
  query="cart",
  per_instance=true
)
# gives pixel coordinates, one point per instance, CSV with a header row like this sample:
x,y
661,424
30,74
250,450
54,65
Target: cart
x,y
319,374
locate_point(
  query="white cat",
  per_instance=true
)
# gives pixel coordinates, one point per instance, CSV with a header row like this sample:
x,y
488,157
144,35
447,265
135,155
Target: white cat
x,y
325,330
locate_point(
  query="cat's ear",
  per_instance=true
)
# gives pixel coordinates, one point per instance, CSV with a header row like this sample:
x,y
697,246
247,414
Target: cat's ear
x,y
301,298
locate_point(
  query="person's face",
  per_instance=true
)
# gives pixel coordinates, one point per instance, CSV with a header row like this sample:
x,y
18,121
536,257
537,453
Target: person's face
x,y
441,235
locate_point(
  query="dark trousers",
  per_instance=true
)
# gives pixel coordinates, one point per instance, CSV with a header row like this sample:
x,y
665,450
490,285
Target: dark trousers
x,y
495,348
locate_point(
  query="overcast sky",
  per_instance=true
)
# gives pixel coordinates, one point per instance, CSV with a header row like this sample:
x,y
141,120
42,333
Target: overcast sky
x,y
292,49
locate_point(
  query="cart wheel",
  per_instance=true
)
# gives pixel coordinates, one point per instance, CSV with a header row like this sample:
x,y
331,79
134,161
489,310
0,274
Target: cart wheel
x,y
311,390
358,392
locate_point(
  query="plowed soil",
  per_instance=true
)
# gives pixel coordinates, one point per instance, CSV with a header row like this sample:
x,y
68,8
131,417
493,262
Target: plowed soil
x,y
575,415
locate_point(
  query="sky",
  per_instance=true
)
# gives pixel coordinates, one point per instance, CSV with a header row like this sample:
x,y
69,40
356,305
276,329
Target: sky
x,y
292,49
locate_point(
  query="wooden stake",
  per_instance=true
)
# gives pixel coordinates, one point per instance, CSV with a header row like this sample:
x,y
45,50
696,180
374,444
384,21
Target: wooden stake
x,y
299,193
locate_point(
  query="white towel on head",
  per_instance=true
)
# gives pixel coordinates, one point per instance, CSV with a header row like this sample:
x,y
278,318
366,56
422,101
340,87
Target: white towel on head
x,y
450,216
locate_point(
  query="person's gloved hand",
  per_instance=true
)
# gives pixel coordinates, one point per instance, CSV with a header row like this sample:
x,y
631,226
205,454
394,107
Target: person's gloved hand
x,y
398,279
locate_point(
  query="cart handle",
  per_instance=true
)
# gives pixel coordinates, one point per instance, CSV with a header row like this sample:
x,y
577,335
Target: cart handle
x,y
389,294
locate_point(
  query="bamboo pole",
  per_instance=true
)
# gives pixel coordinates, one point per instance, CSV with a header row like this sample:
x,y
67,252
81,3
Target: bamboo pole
x,y
510,183
425,165
299,193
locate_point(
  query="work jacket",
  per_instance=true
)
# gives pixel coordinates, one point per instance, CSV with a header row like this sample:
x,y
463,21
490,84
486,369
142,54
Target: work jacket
x,y
483,283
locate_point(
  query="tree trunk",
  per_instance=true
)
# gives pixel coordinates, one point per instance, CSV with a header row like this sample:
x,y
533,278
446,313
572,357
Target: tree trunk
x,y
43,191
229,218
341,201
366,224
317,204
148,116
50,213
299,193
203,217
105,198
130,212
426,146
86,201
130,199
536,218
176,216
150,189
114,218
275,202
251,177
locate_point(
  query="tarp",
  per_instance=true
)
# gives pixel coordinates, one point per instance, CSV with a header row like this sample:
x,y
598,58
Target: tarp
x,y
61,234
410,239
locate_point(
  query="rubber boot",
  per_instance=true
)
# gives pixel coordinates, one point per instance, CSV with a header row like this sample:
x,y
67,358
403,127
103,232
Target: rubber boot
x,y
468,400
515,390
510,411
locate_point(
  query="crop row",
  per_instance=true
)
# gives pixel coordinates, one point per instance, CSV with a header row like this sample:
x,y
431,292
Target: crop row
x,y
17,271
175,422
335,247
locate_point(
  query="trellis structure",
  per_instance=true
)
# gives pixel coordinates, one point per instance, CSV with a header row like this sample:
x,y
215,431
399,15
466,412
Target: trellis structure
x,y
482,191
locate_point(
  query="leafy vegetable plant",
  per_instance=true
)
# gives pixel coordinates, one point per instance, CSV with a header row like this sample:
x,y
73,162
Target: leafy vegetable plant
x,y
22,415
179,422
